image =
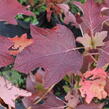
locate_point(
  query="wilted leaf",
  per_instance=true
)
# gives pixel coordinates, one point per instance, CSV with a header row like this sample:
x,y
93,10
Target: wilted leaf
x,y
53,49
69,17
9,9
19,44
32,2
9,93
93,84
54,6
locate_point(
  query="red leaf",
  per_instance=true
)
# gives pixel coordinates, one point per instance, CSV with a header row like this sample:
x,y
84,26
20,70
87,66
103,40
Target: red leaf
x,y
104,55
90,106
9,9
92,18
51,102
105,7
5,57
69,17
53,50
9,93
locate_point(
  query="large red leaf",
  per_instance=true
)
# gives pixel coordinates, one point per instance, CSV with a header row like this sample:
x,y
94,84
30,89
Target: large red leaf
x,y
92,18
9,9
5,57
52,49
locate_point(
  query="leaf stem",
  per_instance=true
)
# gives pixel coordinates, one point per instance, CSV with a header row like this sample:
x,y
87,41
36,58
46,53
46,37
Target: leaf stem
x,y
43,96
81,30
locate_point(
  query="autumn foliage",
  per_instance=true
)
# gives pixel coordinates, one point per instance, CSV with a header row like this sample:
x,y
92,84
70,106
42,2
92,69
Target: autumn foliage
x,y
49,56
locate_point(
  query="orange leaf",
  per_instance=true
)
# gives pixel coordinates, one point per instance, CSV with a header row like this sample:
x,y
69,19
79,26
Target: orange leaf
x,y
31,2
19,44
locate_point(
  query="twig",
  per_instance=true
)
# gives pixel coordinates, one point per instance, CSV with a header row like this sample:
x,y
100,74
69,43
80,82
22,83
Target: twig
x,y
37,101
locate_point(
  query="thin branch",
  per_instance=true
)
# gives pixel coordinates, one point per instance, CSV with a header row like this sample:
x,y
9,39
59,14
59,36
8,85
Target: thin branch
x,y
43,96
81,30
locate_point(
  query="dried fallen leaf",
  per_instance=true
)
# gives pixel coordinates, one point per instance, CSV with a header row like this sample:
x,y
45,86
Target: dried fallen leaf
x,y
19,44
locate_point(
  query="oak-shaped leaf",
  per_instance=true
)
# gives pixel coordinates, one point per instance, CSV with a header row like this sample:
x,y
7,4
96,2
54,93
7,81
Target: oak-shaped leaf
x,y
5,57
19,44
92,17
52,49
9,9
93,42
9,92
93,84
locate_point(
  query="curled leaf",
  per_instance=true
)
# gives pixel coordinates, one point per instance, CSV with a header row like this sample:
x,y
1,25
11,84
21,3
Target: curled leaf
x,y
93,84
19,44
